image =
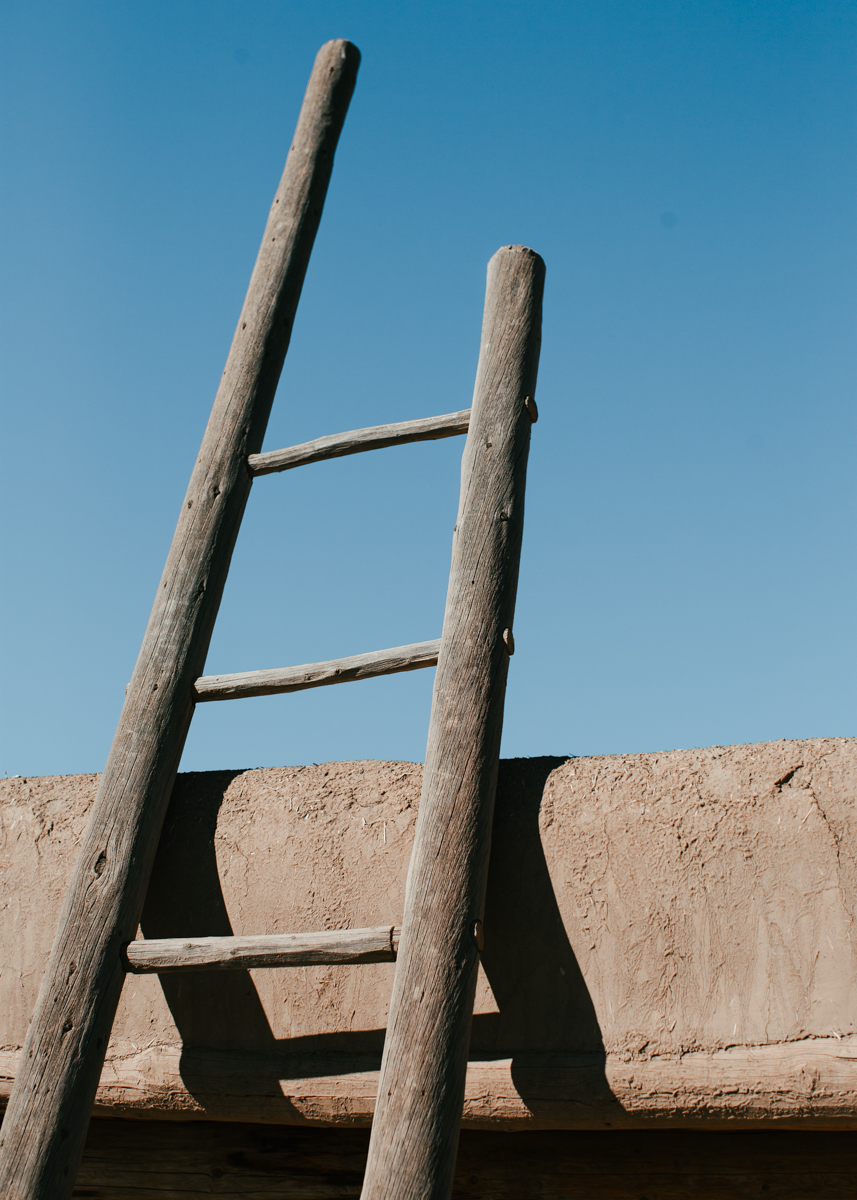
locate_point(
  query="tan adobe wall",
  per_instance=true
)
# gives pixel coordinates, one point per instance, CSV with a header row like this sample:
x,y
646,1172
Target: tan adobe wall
x,y
666,936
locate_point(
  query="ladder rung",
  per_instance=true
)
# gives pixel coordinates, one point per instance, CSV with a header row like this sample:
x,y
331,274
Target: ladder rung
x,y
161,955
376,437
338,670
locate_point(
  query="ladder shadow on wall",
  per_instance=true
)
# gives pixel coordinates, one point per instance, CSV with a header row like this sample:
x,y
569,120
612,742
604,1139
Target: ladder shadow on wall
x,y
546,1022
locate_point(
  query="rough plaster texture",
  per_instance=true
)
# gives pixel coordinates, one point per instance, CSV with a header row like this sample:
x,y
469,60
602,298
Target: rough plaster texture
x,y
667,936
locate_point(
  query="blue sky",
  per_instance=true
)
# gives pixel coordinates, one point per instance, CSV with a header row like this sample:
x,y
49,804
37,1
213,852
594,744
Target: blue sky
x,y
686,170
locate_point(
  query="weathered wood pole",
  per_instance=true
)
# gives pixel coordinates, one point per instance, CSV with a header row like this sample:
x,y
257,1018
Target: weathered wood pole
x,y
356,441
328,947
421,1089
277,680
48,1114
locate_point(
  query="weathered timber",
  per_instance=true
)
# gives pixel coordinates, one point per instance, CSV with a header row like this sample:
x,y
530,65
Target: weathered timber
x,y
148,1160
45,1126
375,437
421,1088
310,675
159,956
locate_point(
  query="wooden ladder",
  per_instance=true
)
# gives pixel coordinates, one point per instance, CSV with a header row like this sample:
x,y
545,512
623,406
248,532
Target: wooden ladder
x,y
421,1089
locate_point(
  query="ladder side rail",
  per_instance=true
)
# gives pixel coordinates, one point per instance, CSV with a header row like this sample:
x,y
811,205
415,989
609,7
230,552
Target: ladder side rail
x,y
421,1089
277,680
356,441
46,1122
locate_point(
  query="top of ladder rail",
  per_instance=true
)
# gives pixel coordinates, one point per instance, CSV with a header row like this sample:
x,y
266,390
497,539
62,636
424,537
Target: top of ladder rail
x,y
375,437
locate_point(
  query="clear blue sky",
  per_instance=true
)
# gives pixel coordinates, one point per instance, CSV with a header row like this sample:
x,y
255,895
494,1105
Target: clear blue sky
x,y
686,170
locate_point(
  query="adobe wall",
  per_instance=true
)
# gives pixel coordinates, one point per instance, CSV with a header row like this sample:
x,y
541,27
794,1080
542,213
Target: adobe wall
x,y
667,937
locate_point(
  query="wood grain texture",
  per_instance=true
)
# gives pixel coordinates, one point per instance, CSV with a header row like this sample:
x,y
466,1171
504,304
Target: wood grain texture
x,y
421,1089
310,675
375,437
127,1160
329,946
45,1126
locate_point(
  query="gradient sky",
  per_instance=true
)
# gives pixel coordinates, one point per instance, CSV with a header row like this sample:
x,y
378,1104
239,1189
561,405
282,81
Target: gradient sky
x,y
686,170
